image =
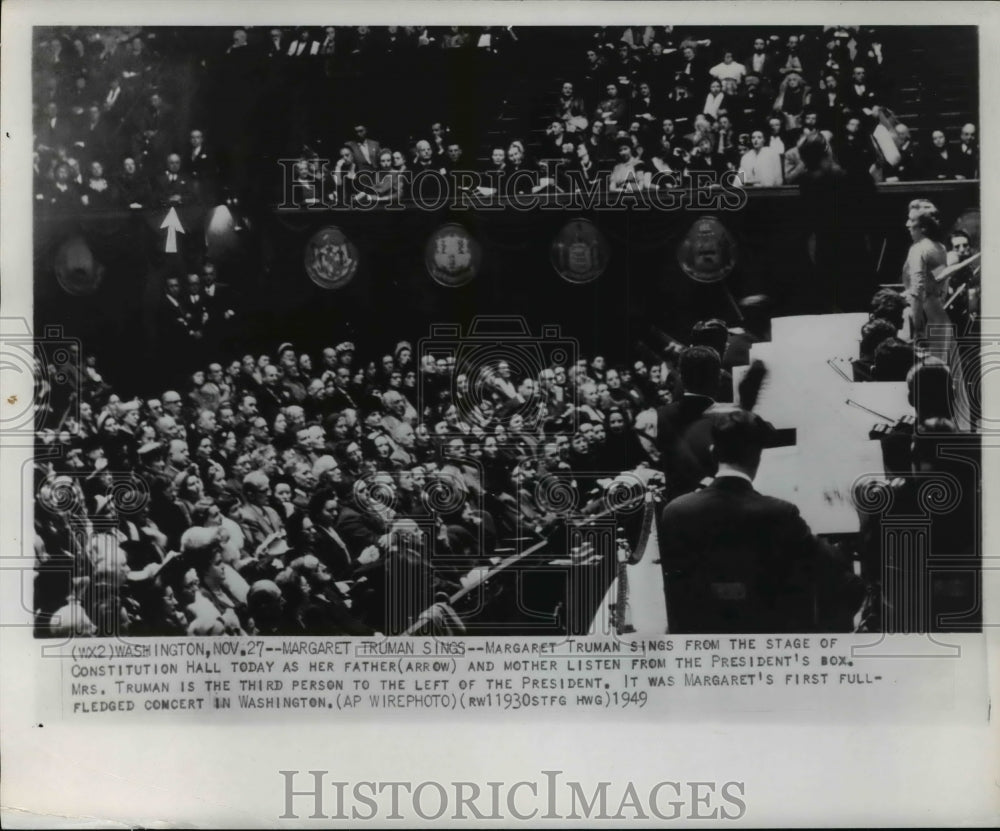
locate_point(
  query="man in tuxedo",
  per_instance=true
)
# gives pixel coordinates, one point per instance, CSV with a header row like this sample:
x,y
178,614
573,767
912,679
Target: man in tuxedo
x,y
200,165
364,149
910,166
304,46
967,154
175,332
855,154
194,305
859,97
761,62
220,304
643,108
736,561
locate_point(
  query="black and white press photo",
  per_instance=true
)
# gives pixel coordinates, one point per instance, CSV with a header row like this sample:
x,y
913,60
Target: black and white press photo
x,y
507,330
503,413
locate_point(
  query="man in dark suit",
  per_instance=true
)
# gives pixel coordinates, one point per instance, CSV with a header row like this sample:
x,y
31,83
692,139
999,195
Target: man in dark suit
x,y
276,47
762,61
860,97
967,154
219,302
53,130
194,305
172,188
132,186
94,138
737,561
753,104
200,165
683,427
175,333
364,149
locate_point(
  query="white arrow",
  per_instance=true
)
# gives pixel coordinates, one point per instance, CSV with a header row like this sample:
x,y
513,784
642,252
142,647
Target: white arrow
x,y
173,225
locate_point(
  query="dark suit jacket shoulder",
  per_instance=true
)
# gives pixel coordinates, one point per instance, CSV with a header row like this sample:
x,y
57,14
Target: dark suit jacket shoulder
x,y
735,560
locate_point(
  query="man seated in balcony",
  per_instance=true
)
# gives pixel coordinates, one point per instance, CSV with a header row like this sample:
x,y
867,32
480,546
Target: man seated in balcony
x,y
570,110
172,188
364,149
860,97
92,138
200,163
967,154
910,165
610,110
644,108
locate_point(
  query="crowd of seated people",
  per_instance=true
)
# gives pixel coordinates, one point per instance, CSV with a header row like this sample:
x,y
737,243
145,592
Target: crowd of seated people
x,y
286,494
290,492
119,123
319,486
